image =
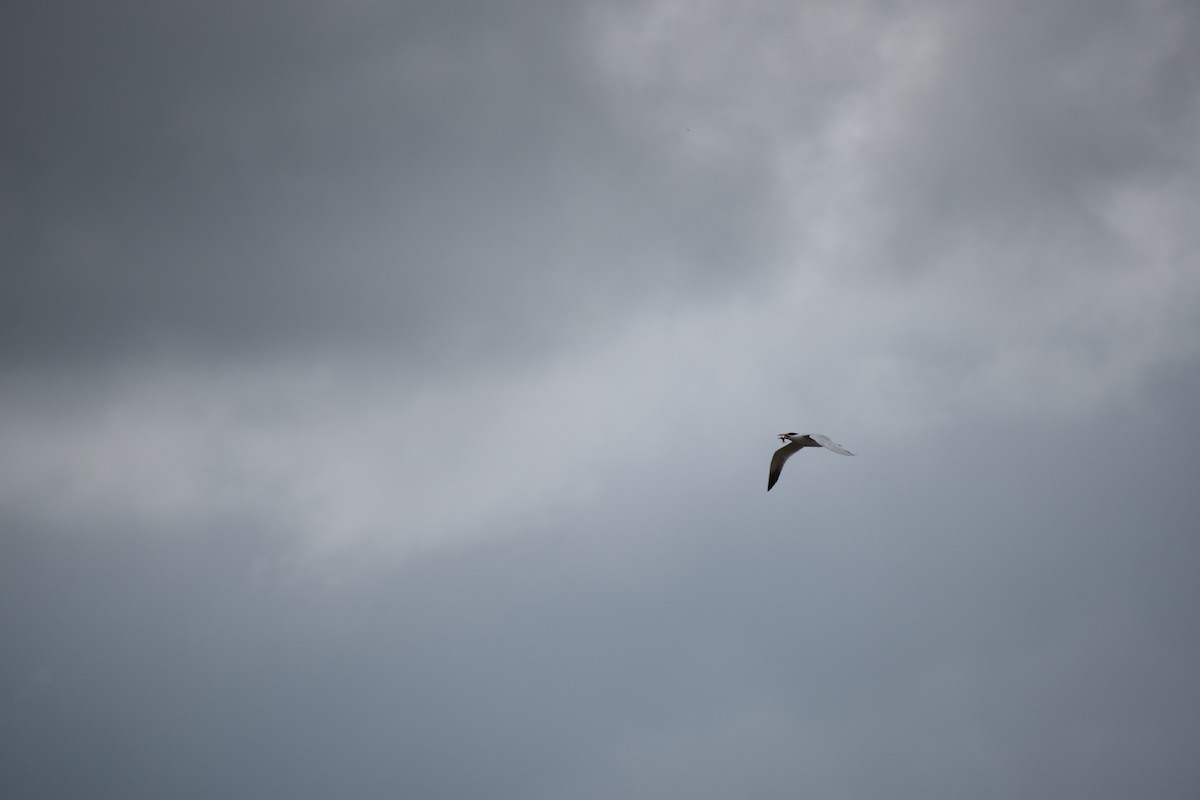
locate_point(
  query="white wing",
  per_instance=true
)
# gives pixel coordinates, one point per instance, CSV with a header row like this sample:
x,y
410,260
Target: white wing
x,y
829,444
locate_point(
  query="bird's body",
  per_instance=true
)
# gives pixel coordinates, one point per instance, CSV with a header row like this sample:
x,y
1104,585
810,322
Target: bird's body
x,y
795,442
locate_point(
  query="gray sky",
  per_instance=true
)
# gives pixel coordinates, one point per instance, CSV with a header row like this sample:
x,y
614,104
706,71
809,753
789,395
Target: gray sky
x,y
388,391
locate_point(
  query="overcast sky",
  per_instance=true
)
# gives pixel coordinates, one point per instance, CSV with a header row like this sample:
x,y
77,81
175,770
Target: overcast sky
x,y
387,391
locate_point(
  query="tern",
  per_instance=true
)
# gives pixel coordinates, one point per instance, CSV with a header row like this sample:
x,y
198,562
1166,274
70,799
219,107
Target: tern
x,y
796,441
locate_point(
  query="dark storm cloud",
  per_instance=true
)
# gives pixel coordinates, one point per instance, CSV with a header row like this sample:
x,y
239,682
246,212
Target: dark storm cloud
x,y
415,175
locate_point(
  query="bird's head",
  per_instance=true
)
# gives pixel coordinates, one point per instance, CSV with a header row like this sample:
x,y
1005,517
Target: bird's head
x,y
787,437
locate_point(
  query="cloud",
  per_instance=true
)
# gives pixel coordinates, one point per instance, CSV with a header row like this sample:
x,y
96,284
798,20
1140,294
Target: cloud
x,y
389,392
362,188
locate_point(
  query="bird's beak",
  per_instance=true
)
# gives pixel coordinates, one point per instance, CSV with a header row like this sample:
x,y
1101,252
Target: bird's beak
x,y
782,437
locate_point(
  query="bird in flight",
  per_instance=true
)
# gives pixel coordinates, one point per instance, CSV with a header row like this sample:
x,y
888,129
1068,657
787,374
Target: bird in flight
x,y
796,441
